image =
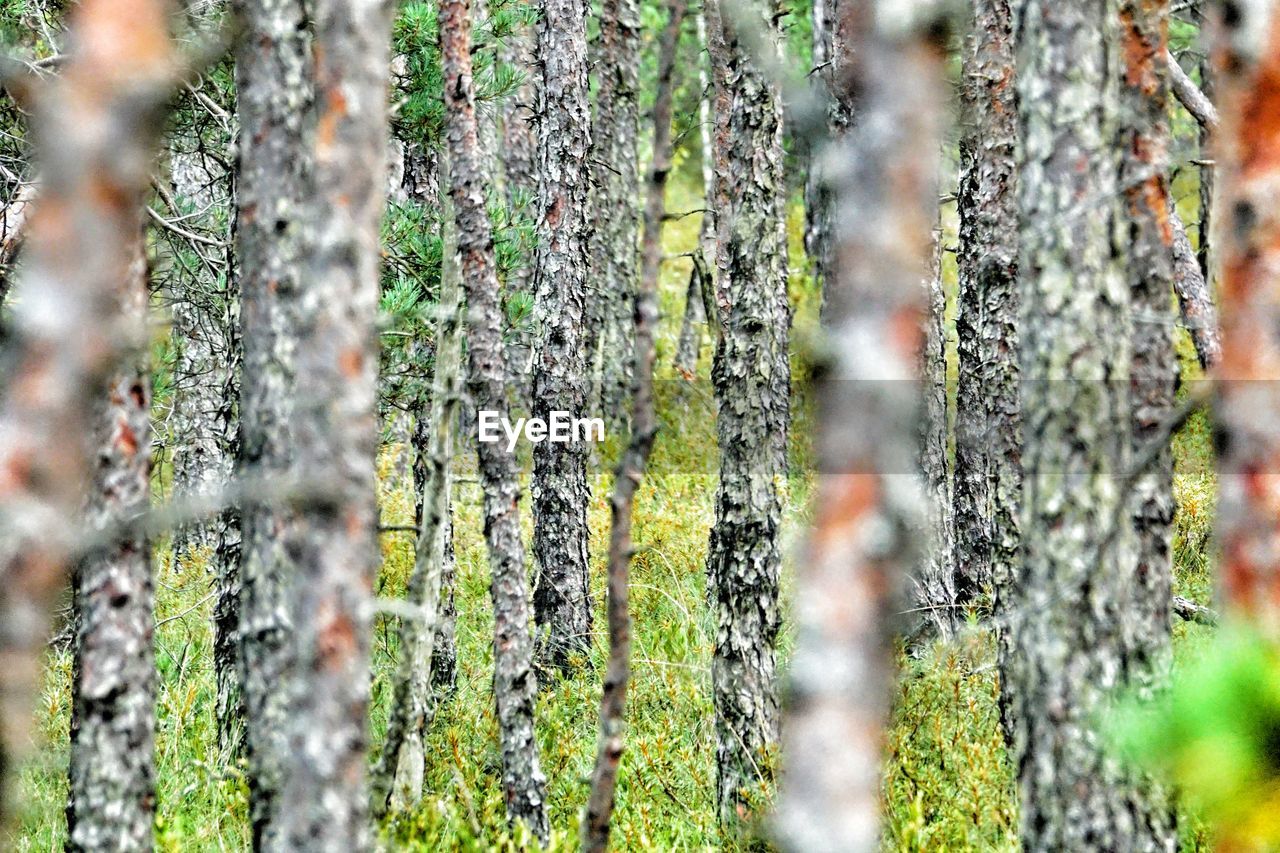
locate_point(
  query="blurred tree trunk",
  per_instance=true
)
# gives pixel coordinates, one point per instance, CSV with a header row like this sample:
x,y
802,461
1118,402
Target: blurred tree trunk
x,y
561,597
274,91
515,682
1073,595
616,181
892,81
987,465
752,376
111,802
1247,64
94,126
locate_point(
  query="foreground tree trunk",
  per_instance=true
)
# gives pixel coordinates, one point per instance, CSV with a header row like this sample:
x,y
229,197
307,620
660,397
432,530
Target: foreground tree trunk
x,y
561,598
1248,394
324,803
273,97
987,461
1070,645
514,680
631,467
752,383
94,126
111,802
884,208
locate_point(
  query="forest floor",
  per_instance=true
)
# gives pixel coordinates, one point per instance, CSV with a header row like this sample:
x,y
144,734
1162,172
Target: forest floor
x,y
948,782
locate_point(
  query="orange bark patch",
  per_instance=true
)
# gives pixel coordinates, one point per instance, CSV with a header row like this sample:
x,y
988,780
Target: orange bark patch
x,y
1139,56
337,638
1259,132
335,109
351,362
845,500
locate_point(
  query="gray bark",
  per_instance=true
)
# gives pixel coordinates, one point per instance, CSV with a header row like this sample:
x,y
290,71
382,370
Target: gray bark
x,y
751,373
274,91
514,679
1195,300
863,543
1079,547
111,801
519,158
561,598
817,194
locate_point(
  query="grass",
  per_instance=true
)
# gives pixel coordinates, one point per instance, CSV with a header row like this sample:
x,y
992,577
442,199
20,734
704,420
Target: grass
x,y
948,784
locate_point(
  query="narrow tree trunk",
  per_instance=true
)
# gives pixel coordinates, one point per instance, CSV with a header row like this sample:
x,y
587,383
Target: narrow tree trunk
x,y
841,678
616,183
273,97
324,802
1247,60
561,598
514,682
94,127
444,649
1207,172
817,193
631,467
987,466
1070,643
520,181
111,802
397,780
752,377
1195,300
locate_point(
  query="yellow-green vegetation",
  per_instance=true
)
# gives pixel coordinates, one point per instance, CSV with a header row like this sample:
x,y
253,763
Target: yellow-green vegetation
x,y
948,785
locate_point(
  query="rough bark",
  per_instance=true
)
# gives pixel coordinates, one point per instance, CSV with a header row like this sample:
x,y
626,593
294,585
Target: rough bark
x,y
616,182
1247,62
1195,301
817,195
1190,96
13,231
444,649
519,176
324,802
94,127
514,681
398,777
987,465
631,467
752,377
884,208
274,91
561,598
1070,644
111,801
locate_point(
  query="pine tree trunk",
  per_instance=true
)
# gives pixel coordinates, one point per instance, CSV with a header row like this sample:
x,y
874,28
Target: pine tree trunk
x,y
111,802
324,802
615,179
514,682
987,467
841,677
444,649
1069,638
274,91
817,194
752,377
518,160
561,598
94,126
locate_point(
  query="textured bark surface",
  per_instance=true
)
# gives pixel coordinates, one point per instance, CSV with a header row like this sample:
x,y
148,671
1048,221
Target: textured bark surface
x,y
1069,637
752,377
817,193
616,183
273,99
862,544
631,467
111,801
94,127
514,681
987,463
324,802
444,649
520,179
561,599
398,778
1247,62
1195,300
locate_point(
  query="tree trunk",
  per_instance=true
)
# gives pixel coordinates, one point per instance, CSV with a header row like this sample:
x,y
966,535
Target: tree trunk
x,y
324,802
841,678
615,180
111,802
631,467
817,193
1247,62
987,464
94,127
561,598
752,377
514,681
1069,638
520,181
274,91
